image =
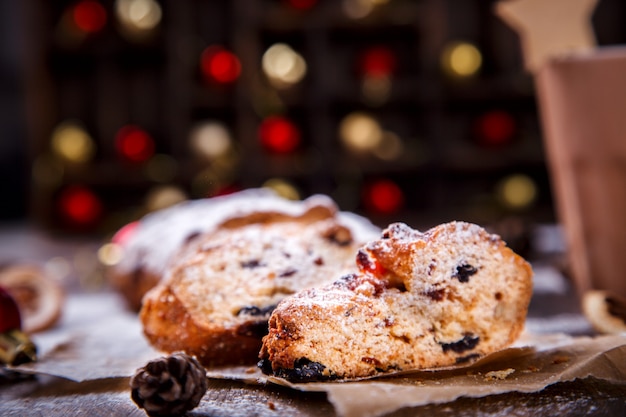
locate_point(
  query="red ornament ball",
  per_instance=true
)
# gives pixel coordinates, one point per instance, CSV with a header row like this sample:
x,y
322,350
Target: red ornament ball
x,y
302,4
378,61
80,205
495,128
134,144
384,197
89,16
220,65
279,135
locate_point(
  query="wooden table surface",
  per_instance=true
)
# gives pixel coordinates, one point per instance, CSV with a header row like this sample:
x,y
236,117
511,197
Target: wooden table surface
x,y
553,304
50,396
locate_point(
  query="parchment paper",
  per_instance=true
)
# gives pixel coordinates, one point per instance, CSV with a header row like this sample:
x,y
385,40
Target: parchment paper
x,y
98,338
520,370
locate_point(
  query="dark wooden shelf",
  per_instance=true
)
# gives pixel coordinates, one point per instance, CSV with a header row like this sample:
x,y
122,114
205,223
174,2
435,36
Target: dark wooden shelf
x,y
109,81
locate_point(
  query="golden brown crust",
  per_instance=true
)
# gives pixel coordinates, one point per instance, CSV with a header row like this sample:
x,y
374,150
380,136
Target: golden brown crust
x,y
221,287
420,300
169,327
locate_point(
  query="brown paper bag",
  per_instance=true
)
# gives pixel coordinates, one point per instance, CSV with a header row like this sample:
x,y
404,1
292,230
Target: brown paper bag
x,y
582,100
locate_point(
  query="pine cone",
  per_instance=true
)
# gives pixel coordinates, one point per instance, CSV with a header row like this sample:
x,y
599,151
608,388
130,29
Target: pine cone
x,y
169,386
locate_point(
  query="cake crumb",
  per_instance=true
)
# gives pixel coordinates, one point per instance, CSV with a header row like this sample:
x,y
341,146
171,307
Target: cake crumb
x,y
498,375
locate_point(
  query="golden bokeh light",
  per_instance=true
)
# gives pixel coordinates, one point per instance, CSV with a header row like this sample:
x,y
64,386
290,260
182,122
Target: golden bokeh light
x,y
210,139
138,15
164,196
283,188
517,191
110,254
461,59
71,142
359,9
360,132
389,148
283,66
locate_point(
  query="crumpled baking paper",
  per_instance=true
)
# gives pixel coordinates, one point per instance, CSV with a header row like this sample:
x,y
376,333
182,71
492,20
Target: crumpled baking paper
x,y
99,338
517,369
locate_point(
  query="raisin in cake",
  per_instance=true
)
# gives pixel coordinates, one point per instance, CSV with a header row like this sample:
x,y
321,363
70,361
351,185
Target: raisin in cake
x,y
419,300
159,236
220,289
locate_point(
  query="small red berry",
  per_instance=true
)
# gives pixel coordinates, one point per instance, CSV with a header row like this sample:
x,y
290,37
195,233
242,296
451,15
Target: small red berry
x,y
10,318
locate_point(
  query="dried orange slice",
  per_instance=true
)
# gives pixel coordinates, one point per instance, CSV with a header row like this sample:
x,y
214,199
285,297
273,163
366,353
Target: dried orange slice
x,y
39,298
605,311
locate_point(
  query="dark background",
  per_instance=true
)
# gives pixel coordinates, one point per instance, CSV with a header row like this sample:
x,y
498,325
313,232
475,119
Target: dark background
x,y
107,81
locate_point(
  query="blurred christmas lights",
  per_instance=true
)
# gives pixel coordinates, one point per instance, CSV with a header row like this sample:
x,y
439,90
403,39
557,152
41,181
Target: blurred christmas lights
x,y
377,65
517,191
461,59
389,148
360,132
79,205
110,254
383,197
210,139
71,142
138,17
283,66
301,4
279,135
378,61
496,127
359,9
89,16
220,65
164,196
283,188
133,144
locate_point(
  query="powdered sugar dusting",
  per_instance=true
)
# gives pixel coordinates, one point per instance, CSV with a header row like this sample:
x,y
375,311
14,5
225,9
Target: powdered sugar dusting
x,y
258,265
362,229
161,233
